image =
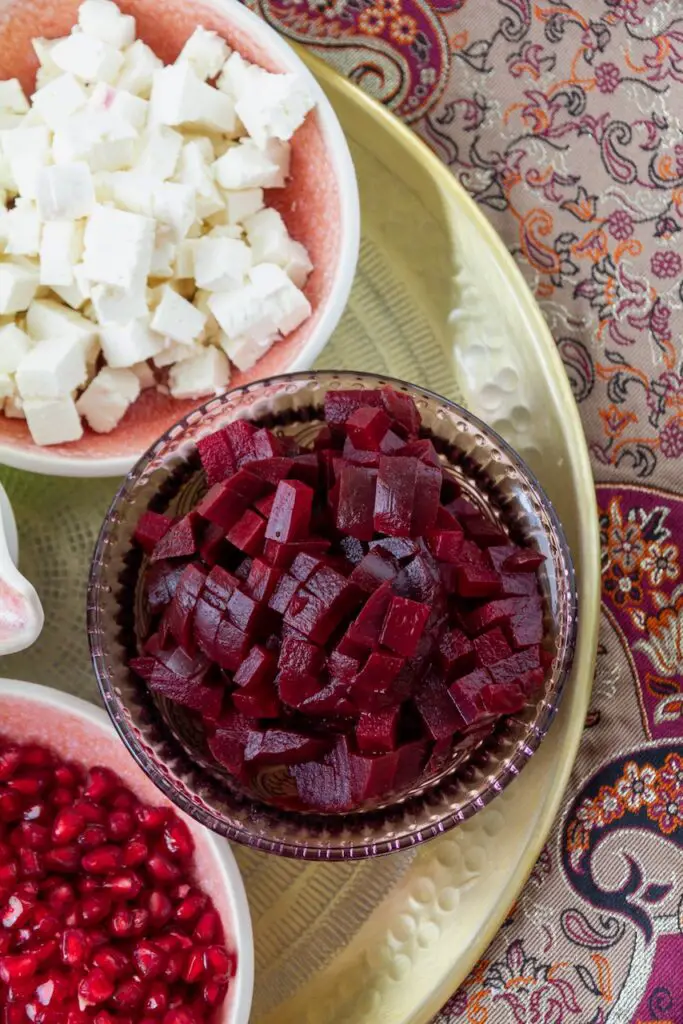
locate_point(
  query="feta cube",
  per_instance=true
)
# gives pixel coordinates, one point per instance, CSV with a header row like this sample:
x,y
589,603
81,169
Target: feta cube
x,y
242,204
243,313
221,263
131,190
174,204
120,103
270,243
139,66
59,99
87,57
65,191
14,408
211,330
106,142
118,247
247,165
10,121
51,369
160,153
145,374
18,286
184,260
14,345
177,318
235,75
289,305
206,52
76,293
272,106
179,97
12,98
22,227
195,171
114,305
101,19
60,249
46,320
52,420
107,398
244,352
48,69
27,150
206,373
7,388
174,352
126,344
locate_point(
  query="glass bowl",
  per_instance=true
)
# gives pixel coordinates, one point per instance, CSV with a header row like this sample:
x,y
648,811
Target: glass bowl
x,y
164,739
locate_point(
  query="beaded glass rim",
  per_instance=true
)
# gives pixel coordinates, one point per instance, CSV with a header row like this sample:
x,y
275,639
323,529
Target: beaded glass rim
x,y
352,835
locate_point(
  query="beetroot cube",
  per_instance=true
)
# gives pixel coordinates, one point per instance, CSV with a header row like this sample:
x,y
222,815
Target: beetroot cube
x,y
152,526
422,450
290,517
395,495
219,587
400,548
267,445
161,581
262,580
373,571
427,496
440,756
304,565
282,555
412,758
524,560
446,521
231,646
196,695
243,569
508,671
229,740
259,702
349,648
445,545
526,629
273,470
377,733
493,613
240,435
245,613
282,746
366,427
334,590
299,657
311,616
465,694
225,502
339,405
342,667
181,608
437,710
491,647
518,584
372,689
306,469
323,440
470,554
462,509
502,699
330,700
477,581
180,541
360,457
530,682
264,505
321,787
368,625
403,625
402,410
248,533
207,619
456,653
484,532
295,689
499,554
285,590
391,443
217,457
355,509
258,668
212,546
420,580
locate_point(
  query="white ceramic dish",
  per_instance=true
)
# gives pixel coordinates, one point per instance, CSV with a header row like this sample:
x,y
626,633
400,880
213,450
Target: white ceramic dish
x,y
319,204
79,731
21,613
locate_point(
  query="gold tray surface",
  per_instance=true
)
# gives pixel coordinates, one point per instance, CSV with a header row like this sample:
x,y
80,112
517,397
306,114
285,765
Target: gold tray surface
x,y
437,300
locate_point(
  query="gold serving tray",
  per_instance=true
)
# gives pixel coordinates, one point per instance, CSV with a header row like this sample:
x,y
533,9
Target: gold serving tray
x,y
438,301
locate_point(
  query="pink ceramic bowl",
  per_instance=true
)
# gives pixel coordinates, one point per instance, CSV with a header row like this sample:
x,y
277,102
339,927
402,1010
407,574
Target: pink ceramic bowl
x,y
79,731
319,205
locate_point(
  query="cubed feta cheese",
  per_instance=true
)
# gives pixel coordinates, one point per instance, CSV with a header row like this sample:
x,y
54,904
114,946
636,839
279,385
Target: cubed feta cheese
x,y
195,171
221,263
87,58
126,344
177,318
27,151
11,121
48,69
52,420
174,352
52,368
235,75
12,98
272,106
289,305
118,247
164,252
137,73
206,373
22,227
61,247
7,388
131,190
206,52
174,204
243,313
179,97
105,99
104,141
14,345
184,260
101,19
65,191
76,293
270,243
145,374
46,320
245,352
160,153
59,99
107,398
247,165
114,305
14,408
242,204
18,286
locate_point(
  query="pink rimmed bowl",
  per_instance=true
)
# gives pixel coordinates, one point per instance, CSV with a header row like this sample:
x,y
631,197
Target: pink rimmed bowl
x,y
319,204
78,731
165,740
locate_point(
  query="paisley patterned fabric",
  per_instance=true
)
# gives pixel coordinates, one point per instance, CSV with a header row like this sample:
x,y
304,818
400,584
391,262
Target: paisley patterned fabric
x,y
563,120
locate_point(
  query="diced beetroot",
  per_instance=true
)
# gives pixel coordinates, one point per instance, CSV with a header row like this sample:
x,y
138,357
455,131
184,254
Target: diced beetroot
x,y
484,532
349,648
282,746
402,410
180,541
309,614
323,440
498,555
264,505
437,710
372,688
321,787
422,450
295,689
248,533
213,545
395,495
524,560
477,581
456,653
445,545
240,435
427,495
231,646
526,629
258,668
339,594
285,589
360,457
412,758
419,579
355,509
243,569
441,755
152,526
306,469
366,427
470,554
517,584
508,671
245,613
181,609
502,699
462,508
391,443
331,700
267,445
299,657
161,580
262,580
207,619
339,405
273,470
400,548
217,457
219,587
377,733
304,565
493,613
342,667
229,740
372,571
444,519
258,701
530,682
290,516
403,626
226,501
491,647
366,628
282,555
465,694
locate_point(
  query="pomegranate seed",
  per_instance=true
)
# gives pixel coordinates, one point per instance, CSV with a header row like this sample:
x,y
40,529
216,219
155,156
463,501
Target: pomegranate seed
x,y
121,825
14,1015
87,885
94,989
38,811
77,1017
62,898
162,870
102,860
64,859
121,923
93,813
31,863
160,908
174,967
45,925
36,756
32,836
67,826
191,907
16,912
68,775
181,1015
178,840
103,1018
135,852
219,964
62,796
8,874
149,959
15,968
152,819
140,921
75,946
214,992
100,783
124,800
95,908
93,836
208,927
112,961
194,966
157,998
126,887
10,759
31,784
128,995
10,806
20,990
